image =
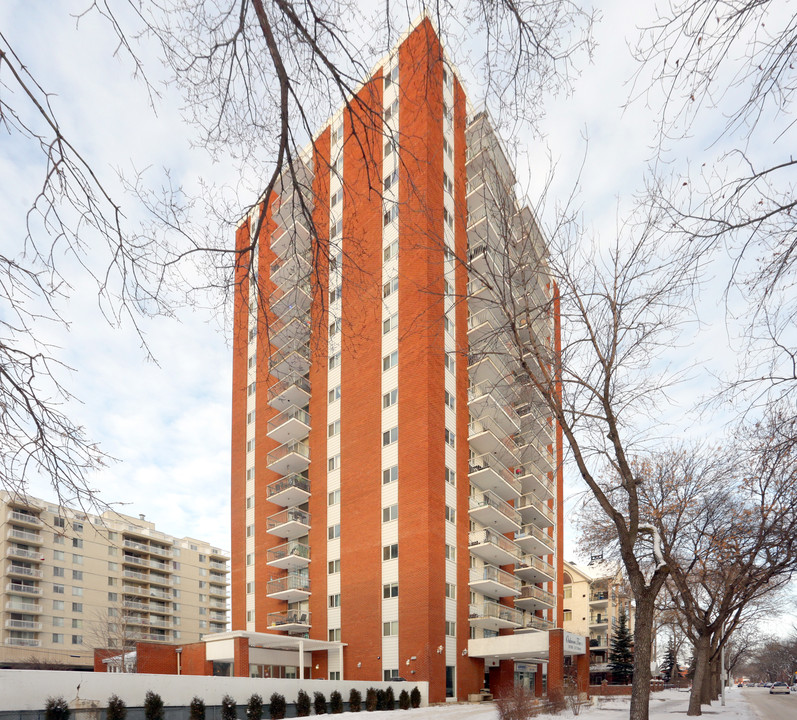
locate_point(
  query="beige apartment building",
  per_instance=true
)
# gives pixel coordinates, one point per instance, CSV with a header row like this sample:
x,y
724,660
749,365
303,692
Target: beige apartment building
x,y
71,582
593,596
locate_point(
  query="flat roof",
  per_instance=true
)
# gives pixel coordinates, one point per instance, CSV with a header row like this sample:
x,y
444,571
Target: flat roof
x,y
274,641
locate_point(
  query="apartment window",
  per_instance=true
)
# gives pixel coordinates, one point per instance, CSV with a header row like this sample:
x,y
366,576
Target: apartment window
x,y
337,134
390,591
77,591
58,539
448,218
203,611
390,513
449,400
250,445
77,526
203,598
58,638
59,522
334,361
250,417
77,542
336,229
390,287
336,293
567,591
250,560
390,324
251,389
252,333
58,604
392,77
58,572
58,555
77,623
58,622
448,186
448,326
338,166
77,574
451,553
58,589
448,288
334,428
567,615
176,592
391,180
336,261
250,532
113,551
390,475
336,197
333,567
334,498
389,147
250,588
250,473
334,636
451,476
250,616
451,628
77,559
112,582
333,463
390,629
390,361
447,149
451,514
389,675
448,113
391,112
334,327
251,362
449,435
390,552
451,363
77,607
250,503
451,591
334,394
389,436
333,532
113,597
334,600
203,624
389,216
390,398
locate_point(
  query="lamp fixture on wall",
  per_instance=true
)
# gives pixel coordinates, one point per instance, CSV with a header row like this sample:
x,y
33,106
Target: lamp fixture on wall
x,y
465,652
359,664
439,649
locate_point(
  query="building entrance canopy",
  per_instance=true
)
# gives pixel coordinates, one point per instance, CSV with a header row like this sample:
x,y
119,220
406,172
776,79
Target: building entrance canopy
x,y
526,647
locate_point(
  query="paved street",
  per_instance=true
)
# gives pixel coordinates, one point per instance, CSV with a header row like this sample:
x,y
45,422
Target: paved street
x,y
771,707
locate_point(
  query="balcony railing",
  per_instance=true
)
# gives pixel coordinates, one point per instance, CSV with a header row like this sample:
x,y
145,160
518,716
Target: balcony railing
x,y
496,611
293,618
287,549
533,592
25,589
292,581
530,530
490,573
216,565
479,537
19,552
136,545
23,625
292,481
286,516
292,413
278,388
532,622
22,570
295,446
537,564
19,534
135,605
490,499
135,575
598,619
532,501
24,517
23,642
15,606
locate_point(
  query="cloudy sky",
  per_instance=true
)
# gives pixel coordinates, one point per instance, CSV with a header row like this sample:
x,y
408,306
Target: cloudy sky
x,y
167,420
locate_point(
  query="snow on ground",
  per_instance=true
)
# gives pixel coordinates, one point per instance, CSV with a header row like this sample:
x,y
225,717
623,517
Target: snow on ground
x,y
663,705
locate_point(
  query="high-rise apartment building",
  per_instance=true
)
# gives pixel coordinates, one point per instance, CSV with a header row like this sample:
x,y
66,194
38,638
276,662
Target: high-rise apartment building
x,y
71,582
396,480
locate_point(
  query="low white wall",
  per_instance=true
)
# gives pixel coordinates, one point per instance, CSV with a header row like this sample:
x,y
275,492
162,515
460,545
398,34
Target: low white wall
x,y
29,689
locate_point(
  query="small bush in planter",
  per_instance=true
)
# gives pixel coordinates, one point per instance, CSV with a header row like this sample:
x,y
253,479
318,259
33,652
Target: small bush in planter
x,y
229,708
355,700
415,697
254,708
153,706
370,699
56,708
404,700
381,700
196,710
302,704
117,710
335,702
319,703
277,707
390,699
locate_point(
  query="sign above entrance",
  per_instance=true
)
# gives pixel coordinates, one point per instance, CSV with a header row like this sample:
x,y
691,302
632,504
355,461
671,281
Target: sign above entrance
x,y
574,644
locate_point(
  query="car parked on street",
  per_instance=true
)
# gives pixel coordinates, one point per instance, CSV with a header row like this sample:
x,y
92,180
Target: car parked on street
x,y
779,687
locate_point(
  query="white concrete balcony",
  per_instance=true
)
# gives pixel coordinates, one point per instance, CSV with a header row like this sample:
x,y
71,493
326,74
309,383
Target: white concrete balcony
x,y
291,457
484,260
135,605
534,541
22,642
598,620
488,399
16,605
493,548
534,452
13,587
532,623
24,535
291,268
295,299
156,579
481,192
135,575
489,367
217,590
160,608
534,598
485,151
135,545
23,518
487,438
494,616
493,582
293,587
292,359
291,390
154,637
534,570
484,326
488,473
534,510
22,571
155,621
491,511
289,556
217,565
294,234
598,641
291,424
17,552
161,550
289,329
599,599
289,524
290,622
534,482
157,593
23,625
289,491
135,560
159,565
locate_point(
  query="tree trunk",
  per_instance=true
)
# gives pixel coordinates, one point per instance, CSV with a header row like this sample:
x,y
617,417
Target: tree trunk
x,y
702,673
643,638
715,678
